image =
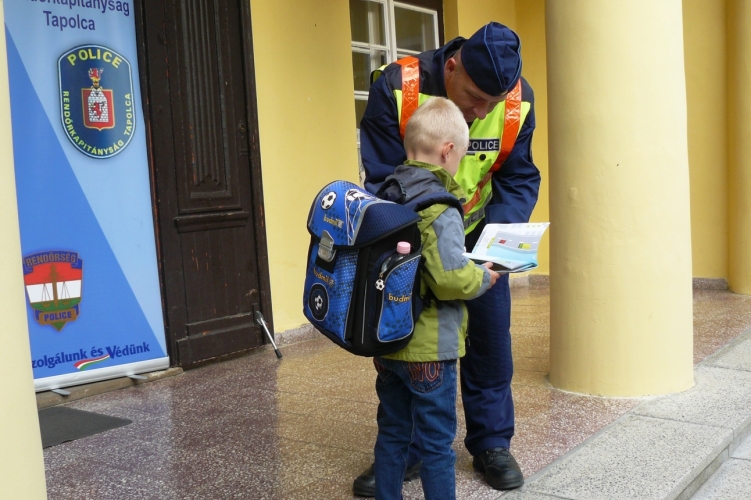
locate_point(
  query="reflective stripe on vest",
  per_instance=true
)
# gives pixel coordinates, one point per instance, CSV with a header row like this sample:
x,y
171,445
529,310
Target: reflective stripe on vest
x,y
476,170
511,124
410,89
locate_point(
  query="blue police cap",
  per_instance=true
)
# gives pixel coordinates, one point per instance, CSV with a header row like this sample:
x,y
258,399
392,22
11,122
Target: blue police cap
x,y
492,58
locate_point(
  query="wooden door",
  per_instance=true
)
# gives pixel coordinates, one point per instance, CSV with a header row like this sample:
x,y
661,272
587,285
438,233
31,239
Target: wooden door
x,y
199,96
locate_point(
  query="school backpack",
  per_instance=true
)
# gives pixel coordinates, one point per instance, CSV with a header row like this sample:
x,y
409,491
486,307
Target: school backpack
x,y
359,292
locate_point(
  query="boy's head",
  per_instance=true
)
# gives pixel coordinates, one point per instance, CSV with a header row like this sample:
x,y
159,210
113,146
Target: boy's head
x,y
437,133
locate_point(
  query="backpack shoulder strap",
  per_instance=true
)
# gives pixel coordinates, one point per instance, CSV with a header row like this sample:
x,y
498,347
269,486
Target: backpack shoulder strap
x,y
421,203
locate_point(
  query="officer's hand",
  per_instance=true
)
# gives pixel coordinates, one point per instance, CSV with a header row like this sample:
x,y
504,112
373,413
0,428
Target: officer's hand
x,y
493,275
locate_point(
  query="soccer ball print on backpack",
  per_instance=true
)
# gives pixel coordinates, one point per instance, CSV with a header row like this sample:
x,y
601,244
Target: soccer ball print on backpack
x,y
359,291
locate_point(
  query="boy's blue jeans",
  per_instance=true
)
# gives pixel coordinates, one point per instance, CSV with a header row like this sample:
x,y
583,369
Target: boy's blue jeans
x,y
416,397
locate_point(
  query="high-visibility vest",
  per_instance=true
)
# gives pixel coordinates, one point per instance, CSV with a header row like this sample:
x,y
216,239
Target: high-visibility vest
x,y
490,139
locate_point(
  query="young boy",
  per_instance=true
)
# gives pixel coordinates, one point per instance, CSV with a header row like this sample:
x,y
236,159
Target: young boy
x,y
417,385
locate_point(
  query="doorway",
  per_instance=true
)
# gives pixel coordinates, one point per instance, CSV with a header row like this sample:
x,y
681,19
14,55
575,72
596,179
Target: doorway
x,y
200,103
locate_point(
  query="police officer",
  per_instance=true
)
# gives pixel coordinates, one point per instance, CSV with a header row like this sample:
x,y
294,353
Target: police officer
x,y
482,76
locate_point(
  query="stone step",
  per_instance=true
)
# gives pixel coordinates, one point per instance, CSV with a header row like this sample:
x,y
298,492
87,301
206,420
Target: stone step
x,y
732,481
664,449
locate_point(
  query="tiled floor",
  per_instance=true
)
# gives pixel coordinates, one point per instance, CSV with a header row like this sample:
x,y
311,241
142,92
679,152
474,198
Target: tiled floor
x,y
304,427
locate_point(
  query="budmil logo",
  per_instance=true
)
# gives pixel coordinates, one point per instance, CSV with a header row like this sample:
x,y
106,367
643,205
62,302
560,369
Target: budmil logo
x,y
96,100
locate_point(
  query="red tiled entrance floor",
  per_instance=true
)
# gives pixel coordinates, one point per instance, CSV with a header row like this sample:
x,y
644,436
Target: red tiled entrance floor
x,y
304,427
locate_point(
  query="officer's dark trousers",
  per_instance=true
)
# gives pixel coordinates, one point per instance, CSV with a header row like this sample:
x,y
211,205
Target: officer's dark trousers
x,y
486,371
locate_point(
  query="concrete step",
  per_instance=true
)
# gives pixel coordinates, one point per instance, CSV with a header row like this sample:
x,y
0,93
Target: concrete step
x,y
732,481
667,447
46,399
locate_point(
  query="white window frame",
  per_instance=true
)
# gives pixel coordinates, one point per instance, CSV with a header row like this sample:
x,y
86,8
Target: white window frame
x,y
392,52
406,6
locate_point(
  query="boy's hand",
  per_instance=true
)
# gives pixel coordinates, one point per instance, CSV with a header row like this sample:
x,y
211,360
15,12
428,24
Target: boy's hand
x,y
493,275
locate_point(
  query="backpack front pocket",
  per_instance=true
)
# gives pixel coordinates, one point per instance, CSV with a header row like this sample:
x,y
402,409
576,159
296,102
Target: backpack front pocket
x,y
393,287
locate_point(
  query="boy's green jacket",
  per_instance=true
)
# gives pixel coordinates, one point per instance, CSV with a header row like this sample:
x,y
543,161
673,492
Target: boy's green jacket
x,y
441,329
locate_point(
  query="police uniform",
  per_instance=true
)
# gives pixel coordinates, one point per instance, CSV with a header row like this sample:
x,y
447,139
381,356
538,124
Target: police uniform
x,y
502,187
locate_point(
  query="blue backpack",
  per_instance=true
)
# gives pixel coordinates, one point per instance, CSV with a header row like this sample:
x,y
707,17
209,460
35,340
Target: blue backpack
x,y
359,292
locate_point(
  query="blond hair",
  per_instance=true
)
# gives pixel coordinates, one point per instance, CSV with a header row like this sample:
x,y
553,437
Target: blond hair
x,y
436,122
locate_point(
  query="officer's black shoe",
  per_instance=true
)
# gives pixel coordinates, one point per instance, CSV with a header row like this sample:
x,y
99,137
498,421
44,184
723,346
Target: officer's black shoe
x,y
499,468
364,485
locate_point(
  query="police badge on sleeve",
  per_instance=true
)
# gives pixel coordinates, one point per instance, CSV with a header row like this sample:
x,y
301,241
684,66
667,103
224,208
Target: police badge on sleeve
x,y
96,100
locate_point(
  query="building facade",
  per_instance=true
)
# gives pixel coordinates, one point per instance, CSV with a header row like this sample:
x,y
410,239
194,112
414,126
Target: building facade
x,y
642,132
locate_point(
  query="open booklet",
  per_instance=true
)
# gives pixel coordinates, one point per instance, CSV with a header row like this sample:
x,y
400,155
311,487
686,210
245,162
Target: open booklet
x,y
512,248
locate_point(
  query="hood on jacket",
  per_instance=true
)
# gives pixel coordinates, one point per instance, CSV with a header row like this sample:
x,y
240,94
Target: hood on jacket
x,y
408,182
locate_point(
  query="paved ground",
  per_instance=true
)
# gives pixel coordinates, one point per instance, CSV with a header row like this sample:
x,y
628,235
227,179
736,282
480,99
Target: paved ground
x,y
304,427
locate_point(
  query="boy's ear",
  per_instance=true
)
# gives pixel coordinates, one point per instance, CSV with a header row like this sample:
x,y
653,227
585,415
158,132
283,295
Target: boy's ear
x,y
447,149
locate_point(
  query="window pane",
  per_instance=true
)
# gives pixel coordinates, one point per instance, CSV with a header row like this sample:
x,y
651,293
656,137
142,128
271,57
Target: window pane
x,y
359,111
366,20
414,30
364,64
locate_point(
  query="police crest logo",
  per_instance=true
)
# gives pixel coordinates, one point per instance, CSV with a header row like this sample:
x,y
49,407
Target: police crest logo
x,y
53,286
100,108
96,100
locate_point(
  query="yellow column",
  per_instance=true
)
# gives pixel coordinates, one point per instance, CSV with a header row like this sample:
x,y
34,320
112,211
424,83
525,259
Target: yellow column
x,y
620,284
705,46
739,141
21,458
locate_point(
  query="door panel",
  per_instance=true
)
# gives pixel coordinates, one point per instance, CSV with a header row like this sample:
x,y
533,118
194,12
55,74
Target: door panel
x,y
201,105
213,101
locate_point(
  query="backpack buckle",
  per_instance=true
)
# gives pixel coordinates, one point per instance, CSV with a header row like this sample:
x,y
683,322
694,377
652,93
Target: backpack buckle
x,y
326,250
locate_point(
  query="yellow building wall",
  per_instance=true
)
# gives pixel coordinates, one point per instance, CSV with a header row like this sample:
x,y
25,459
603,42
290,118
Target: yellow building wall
x,y
306,115
530,26
706,95
464,17
21,458
739,146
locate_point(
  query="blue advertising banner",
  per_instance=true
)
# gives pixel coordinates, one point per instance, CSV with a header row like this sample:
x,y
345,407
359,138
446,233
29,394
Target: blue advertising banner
x,y
84,199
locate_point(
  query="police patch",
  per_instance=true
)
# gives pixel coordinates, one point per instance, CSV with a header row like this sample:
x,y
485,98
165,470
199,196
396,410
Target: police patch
x,y
483,145
53,286
96,100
